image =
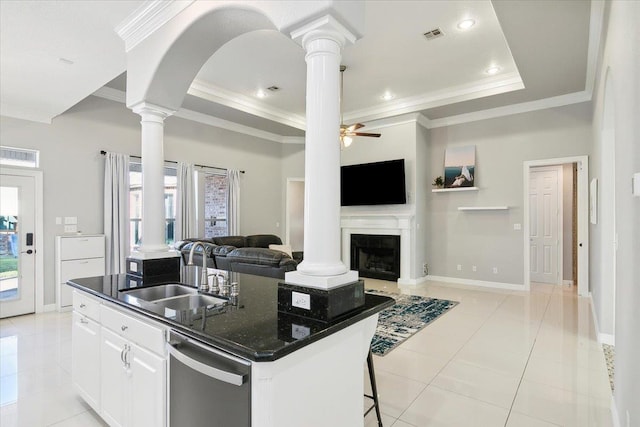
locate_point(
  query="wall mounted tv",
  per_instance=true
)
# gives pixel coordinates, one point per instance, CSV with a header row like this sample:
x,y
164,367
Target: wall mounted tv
x,y
380,183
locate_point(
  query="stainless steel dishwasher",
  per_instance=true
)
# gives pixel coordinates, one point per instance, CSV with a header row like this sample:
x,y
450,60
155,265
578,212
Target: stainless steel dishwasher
x,y
207,387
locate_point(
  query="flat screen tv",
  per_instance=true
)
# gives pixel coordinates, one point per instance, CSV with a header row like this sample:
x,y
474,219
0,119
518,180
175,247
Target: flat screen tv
x,y
380,183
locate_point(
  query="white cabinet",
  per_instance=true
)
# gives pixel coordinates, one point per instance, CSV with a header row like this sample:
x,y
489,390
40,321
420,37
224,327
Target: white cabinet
x,y
77,256
85,352
133,385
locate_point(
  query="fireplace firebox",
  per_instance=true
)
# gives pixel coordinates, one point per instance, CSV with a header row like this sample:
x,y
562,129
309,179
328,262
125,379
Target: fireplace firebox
x,y
376,256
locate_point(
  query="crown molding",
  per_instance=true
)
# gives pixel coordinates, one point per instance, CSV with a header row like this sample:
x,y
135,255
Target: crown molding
x,y
147,18
24,114
244,103
466,92
120,97
508,110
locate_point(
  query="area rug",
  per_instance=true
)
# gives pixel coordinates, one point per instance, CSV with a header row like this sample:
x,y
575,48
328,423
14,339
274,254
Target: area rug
x,y
410,314
609,356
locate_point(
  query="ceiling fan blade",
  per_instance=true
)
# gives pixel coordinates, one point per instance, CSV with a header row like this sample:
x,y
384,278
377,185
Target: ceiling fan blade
x,y
375,135
354,126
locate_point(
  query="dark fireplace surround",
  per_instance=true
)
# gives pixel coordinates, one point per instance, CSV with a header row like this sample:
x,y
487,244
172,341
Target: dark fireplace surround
x,y
376,256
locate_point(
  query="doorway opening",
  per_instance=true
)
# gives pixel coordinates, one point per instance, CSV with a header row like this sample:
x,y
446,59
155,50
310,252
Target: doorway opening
x,y
572,253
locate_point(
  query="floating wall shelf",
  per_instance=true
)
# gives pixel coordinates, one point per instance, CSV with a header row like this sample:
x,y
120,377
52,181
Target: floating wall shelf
x,y
483,208
446,190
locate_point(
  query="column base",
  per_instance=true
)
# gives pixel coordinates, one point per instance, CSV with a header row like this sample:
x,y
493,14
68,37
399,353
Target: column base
x,y
154,267
323,305
320,282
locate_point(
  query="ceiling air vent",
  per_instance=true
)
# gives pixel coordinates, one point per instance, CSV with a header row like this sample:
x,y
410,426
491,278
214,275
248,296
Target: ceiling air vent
x,y
433,34
273,88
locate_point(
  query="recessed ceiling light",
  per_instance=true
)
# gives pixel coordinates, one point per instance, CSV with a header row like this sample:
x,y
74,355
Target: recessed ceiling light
x,y
466,24
387,96
493,70
261,94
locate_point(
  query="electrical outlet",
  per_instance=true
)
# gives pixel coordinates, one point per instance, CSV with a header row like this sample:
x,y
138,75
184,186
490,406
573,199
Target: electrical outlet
x,y
495,270
474,268
301,300
425,269
459,267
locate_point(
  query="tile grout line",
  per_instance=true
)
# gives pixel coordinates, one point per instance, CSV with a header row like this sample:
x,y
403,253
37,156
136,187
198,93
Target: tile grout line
x,y
515,395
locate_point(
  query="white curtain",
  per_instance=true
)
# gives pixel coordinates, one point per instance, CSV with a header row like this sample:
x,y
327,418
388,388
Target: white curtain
x,y
185,208
233,202
116,211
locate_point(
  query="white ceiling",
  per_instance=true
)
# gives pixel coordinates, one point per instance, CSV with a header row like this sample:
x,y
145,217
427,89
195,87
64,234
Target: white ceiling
x,y
542,48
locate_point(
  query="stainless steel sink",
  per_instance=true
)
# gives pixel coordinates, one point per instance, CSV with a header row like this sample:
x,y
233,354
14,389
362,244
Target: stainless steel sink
x,y
161,292
190,302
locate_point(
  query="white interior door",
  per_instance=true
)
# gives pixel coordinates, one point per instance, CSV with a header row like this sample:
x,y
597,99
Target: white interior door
x,y
17,245
544,229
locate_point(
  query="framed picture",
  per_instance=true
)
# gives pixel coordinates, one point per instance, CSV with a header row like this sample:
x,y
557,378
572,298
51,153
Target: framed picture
x,y
460,167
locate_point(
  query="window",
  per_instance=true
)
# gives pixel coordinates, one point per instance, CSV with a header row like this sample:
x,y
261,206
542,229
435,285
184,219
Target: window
x,y
24,157
135,203
215,204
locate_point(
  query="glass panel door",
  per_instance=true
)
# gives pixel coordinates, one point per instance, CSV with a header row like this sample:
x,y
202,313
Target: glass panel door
x,y
17,245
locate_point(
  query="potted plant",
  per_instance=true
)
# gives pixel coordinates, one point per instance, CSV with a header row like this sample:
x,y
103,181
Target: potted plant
x,y
438,182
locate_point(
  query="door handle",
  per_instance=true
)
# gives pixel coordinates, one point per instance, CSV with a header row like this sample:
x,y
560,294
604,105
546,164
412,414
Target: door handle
x,y
28,251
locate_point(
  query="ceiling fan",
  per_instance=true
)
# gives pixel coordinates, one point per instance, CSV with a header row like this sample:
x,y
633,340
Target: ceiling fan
x,y
347,132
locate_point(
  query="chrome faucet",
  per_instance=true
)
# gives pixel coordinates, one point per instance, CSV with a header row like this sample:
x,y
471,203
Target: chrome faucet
x,y
204,279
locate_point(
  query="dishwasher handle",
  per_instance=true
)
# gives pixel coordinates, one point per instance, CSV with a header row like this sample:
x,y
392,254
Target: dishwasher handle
x,y
210,371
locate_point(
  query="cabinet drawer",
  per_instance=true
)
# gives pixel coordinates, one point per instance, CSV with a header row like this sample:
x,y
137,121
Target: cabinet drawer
x,y
81,247
149,336
81,268
86,305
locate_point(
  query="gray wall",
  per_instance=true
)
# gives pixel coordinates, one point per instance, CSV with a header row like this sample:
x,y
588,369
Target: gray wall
x,y
620,58
73,169
487,239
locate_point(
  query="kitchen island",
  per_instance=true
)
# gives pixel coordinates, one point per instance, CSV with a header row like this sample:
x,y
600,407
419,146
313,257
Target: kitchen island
x,y
302,372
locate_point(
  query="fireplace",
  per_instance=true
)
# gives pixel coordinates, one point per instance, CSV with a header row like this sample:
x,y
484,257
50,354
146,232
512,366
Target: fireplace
x,y
376,256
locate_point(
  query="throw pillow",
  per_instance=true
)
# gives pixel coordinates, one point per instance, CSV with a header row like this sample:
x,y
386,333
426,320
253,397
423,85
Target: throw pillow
x,y
282,248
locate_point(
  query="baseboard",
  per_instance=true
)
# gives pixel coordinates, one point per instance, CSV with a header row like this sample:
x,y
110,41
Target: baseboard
x,y
609,339
615,418
413,282
48,307
472,282
567,282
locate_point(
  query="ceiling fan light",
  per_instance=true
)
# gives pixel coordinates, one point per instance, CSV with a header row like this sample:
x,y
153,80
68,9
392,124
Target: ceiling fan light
x,y
346,141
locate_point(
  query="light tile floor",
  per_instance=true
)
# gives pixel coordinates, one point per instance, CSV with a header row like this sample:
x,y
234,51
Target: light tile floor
x,y
499,358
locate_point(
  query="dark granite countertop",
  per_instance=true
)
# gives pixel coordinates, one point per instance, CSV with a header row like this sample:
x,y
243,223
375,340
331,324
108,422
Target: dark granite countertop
x,y
250,327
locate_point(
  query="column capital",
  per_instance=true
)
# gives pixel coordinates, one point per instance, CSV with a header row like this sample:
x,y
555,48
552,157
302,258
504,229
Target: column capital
x,y
325,27
151,112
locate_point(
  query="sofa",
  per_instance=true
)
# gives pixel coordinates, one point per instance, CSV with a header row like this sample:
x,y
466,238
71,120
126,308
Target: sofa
x,y
242,254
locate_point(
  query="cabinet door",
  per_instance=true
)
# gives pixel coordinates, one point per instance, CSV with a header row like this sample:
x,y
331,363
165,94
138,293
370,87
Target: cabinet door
x,y
85,352
114,375
148,388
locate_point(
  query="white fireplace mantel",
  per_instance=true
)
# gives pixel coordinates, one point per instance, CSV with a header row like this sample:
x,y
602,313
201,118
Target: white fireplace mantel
x,y
394,224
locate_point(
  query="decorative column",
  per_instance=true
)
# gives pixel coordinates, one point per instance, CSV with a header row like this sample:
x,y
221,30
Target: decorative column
x,y
322,267
153,218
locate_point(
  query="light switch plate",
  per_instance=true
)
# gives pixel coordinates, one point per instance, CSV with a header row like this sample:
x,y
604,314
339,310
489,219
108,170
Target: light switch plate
x,y
298,332
517,227
636,184
300,300
70,219
70,228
